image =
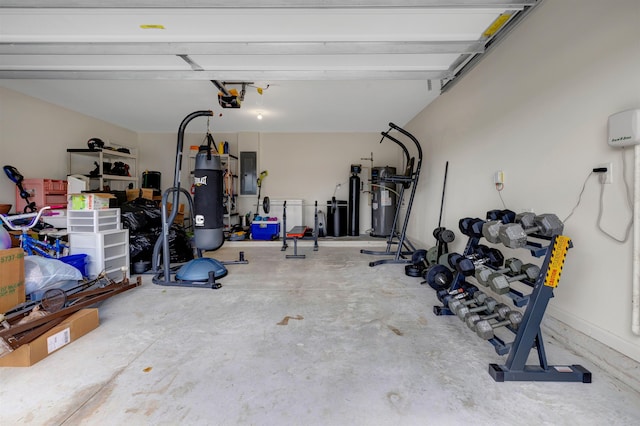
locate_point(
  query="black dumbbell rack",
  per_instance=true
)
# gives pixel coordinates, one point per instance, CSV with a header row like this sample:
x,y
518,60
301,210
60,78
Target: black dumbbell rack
x,y
529,336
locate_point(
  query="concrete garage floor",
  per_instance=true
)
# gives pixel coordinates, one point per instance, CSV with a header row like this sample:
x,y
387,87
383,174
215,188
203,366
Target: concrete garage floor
x,y
325,340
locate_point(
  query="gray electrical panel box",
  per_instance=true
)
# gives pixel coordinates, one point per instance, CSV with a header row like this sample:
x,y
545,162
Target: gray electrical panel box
x,y
248,173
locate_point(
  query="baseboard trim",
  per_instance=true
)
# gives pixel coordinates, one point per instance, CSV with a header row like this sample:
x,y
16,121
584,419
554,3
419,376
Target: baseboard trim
x,y
607,352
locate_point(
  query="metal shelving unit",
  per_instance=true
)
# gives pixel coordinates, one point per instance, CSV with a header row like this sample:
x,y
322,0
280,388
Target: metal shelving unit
x,y
81,162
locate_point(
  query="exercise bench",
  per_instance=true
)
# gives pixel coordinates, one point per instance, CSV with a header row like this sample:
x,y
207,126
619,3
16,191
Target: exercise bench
x,y
295,233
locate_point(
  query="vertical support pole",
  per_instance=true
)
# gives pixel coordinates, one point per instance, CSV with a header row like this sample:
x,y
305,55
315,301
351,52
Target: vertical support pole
x,y
284,226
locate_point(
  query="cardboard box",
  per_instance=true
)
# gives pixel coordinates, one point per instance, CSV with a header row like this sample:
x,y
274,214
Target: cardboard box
x,y
90,201
179,216
12,291
132,194
70,330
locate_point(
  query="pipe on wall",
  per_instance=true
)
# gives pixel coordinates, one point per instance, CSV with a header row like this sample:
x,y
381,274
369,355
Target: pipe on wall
x,y
635,294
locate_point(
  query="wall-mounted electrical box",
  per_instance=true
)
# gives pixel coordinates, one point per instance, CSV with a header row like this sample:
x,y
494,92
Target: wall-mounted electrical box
x,y
624,128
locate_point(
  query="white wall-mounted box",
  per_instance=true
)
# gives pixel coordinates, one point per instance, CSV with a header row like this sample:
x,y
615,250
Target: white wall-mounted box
x,y
624,128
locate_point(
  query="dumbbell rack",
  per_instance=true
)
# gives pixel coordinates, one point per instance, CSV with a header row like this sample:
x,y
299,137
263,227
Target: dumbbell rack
x,y
528,334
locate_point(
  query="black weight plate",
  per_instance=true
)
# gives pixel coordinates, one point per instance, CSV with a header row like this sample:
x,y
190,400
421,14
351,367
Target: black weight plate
x,y
266,205
447,236
419,257
413,271
438,276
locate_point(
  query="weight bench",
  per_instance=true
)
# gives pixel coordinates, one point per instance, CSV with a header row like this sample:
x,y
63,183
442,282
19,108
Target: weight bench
x,y
295,233
298,232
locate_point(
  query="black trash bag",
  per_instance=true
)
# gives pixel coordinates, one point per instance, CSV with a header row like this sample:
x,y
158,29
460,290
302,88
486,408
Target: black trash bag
x,y
133,219
141,246
180,248
141,215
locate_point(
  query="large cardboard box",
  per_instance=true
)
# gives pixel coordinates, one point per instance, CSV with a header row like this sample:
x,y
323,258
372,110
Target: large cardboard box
x,y
70,330
90,201
179,216
132,194
11,278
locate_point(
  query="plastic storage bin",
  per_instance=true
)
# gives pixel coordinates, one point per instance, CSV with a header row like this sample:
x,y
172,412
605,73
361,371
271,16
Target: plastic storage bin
x,y
93,220
45,192
78,261
106,251
265,230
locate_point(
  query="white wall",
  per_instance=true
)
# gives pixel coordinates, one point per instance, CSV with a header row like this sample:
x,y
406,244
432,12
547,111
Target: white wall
x,y
35,135
309,166
301,166
537,107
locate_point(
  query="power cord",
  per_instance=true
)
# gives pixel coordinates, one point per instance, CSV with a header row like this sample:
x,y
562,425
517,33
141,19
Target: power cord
x,y
601,203
629,202
499,188
579,197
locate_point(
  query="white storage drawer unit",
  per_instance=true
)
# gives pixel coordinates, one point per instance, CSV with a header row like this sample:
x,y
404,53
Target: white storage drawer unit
x,y
106,251
93,220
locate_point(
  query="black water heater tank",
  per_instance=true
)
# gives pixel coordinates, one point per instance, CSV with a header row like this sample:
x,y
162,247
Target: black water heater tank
x,y
383,201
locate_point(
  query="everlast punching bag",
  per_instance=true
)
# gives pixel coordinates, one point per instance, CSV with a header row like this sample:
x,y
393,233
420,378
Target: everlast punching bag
x,y
354,200
207,200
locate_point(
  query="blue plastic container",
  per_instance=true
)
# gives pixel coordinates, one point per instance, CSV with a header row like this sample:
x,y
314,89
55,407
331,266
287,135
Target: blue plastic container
x,y
78,261
265,230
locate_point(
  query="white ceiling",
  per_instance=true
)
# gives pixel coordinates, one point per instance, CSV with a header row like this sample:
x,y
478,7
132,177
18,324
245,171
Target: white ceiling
x,y
324,65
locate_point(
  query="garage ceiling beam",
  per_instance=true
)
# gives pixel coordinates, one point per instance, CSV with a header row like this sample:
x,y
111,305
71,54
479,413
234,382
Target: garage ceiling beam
x,y
265,4
259,75
244,48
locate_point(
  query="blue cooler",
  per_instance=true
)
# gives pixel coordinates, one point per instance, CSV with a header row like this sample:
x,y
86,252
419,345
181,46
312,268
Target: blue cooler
x,y
265,230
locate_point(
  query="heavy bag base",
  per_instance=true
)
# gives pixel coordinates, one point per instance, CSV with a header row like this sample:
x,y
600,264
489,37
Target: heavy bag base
x,y
198,270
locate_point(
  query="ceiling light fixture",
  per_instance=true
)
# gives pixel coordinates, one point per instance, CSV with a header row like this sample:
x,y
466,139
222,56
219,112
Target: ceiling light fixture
x,y
259,116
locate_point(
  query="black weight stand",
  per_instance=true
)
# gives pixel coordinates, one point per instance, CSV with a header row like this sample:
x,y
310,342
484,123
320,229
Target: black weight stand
x,y
529,336
405,248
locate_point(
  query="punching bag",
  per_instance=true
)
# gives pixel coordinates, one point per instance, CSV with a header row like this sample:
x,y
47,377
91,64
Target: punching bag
x,y
208,200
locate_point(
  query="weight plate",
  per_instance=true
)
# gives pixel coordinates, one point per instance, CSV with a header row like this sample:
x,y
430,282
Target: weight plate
x,y
438,276
419,257
266,205
432,256
447,236
413,271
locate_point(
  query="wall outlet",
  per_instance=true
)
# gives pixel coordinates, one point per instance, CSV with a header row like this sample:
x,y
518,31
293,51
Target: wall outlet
x,y
606,177
498,177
